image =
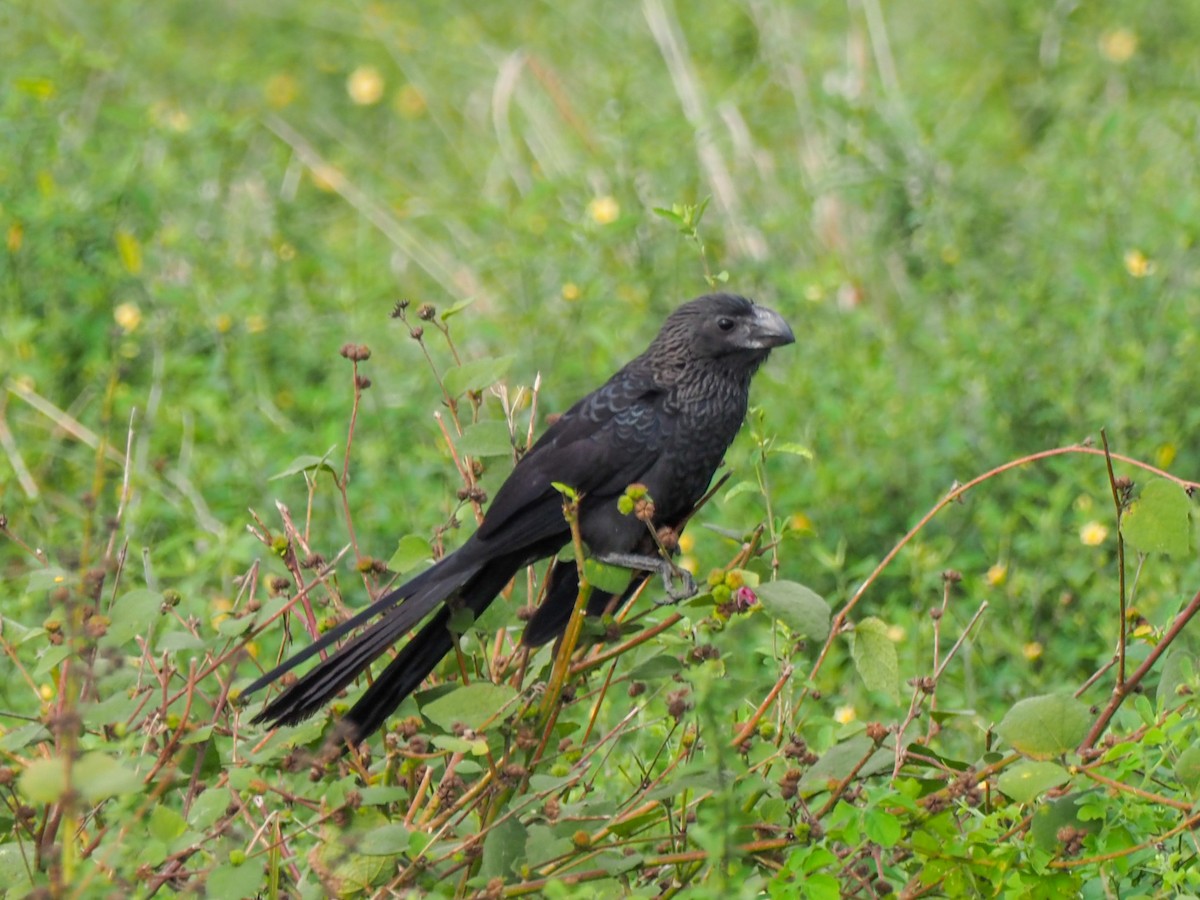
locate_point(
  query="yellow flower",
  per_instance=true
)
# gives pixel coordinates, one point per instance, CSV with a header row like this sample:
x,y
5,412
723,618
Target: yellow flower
x,y
997,575
687,543
256,324
1165,455
1137,265
128,316
570,291
365,86
280,90
1032,650
896,633
844,715
1118,45
604,210
1093,534
224,322
800,522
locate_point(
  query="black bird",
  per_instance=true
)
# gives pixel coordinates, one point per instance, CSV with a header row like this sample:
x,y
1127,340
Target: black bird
x,y
664,421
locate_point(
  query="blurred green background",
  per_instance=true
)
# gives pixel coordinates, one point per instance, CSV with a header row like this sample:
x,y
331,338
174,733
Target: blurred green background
x,y
981,219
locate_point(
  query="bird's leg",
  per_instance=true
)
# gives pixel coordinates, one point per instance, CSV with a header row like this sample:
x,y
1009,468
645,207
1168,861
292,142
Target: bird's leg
x,y
658,564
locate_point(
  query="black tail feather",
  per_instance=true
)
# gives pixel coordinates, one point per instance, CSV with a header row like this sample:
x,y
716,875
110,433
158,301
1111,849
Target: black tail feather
x,y
410,588
551,617
400,677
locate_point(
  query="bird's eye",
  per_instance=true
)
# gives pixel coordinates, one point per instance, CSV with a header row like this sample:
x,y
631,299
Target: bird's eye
x,y
725,323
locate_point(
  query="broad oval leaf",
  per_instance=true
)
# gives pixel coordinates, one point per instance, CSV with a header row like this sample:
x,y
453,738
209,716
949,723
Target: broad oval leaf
x,y
1187,769
390,839
840,760
472,705
1046,726
875,657
411,551
503,848
1178,675
1026,780
1050,818
134,613
1157,521
476,374
487,438
43,780
613,579
801,609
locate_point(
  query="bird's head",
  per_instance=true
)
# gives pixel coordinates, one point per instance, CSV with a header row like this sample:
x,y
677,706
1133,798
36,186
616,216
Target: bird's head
x,y
724,326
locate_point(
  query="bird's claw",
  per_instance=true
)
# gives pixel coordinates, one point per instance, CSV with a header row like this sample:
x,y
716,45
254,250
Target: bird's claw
x,y
686,588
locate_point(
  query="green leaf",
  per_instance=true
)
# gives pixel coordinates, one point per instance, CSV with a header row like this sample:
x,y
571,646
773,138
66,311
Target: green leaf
x,y
1028,779
1051,817
1046,726
472,706
543,843
166,824
14,871
882,827
98,776
385,840
875,657
207,808
656,668
476,747
799,608
228,880
742,487
503,848
23,737
382,794
198,736
476,374
457,308
133,614
307,464
1157,521
94,776
615,863
839,761
1187,769
487,438
613,579
43,780
412,550
698,777
793,448
1178,674
821,886
49,659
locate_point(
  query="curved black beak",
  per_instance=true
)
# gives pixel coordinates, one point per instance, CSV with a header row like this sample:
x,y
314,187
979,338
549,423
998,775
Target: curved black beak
x,y
769,329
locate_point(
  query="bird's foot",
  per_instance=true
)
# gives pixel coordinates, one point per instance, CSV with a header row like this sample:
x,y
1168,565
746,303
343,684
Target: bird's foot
x,y
675,594
668,570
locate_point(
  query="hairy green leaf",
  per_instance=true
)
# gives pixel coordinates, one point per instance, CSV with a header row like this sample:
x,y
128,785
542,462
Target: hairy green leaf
x,y
1046,726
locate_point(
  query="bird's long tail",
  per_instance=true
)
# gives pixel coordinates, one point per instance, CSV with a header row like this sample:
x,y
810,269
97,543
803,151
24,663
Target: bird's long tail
x,y
474,587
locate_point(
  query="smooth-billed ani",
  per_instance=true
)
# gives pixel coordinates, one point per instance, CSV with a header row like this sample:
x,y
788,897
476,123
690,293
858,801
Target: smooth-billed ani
x,y
664,421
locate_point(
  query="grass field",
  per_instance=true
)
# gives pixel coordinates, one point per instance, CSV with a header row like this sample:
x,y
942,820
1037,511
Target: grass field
x,y
981,220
